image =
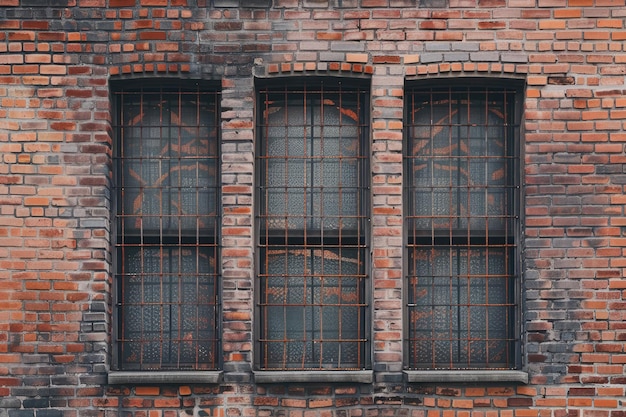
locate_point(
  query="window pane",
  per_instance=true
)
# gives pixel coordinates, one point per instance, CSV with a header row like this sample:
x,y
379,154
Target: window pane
x,y
312,306
460,298
461,215
168,302
457,159
313,164
168,167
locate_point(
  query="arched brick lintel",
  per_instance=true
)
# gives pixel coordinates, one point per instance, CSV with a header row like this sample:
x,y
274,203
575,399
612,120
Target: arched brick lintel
x,y
467,68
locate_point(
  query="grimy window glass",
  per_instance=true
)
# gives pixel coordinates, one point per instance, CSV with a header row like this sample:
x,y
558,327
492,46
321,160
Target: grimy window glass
x,y
166,185
312,227
462,170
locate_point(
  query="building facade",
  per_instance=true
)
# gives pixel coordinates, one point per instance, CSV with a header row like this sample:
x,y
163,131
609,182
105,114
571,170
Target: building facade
x,y
312,208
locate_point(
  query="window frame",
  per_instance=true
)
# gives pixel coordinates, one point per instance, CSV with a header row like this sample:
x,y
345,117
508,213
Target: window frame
x,y
514,372
120,374
284,86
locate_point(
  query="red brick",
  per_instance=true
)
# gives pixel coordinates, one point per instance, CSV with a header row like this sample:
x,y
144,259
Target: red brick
x,y
57,144
122,3
153,35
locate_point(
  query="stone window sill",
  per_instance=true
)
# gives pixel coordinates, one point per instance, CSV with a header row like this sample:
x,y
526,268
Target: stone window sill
x,y
467,376
275,377
170,377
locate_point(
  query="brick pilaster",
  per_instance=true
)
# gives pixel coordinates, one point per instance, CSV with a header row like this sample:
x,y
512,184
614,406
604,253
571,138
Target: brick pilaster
x,y
238,275
386,167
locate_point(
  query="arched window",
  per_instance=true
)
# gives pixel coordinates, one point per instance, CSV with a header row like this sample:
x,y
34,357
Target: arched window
x,y
167,210
312,226
462,175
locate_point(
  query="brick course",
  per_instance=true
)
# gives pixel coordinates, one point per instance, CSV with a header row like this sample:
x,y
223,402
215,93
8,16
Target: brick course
x,y
57,59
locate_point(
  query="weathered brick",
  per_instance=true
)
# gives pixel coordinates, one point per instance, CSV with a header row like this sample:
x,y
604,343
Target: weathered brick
x,y
57,58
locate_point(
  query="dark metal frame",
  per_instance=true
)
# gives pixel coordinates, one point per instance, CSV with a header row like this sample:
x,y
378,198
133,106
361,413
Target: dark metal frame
x,y
464,237
181,241
311,241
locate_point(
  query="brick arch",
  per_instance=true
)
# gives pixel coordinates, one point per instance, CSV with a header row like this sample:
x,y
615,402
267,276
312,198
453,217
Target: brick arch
x,y
314,67
466,68
410,69
150,68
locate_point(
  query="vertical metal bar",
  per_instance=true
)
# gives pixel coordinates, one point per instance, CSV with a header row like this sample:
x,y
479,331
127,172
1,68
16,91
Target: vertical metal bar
x,y
317,160
487,250
196,340
176,304
309,213
121,229
141,227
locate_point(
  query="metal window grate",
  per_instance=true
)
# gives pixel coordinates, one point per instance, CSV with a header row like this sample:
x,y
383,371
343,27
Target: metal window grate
x,y
462,184
312,248
167,198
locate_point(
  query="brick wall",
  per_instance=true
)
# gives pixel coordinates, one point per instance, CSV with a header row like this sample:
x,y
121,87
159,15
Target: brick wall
x,y
57,58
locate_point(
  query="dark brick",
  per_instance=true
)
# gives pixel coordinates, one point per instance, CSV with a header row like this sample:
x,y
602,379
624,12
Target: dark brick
x,y
582,392
21,413
519,402
36,403
49,413
45,3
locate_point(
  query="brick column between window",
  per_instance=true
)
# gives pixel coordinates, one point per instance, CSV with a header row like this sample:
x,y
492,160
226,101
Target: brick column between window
x,y
237,227
387,115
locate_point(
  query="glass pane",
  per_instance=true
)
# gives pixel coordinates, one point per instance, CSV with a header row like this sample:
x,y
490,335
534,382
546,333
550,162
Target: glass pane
x,y
459,301
165,146
168,299
313,308
310,182
464,131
